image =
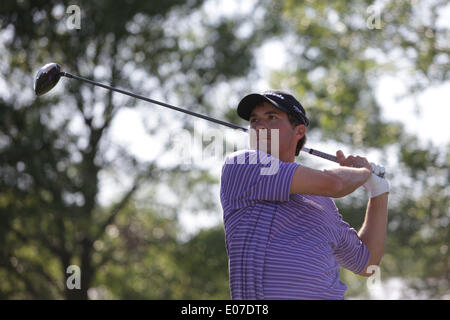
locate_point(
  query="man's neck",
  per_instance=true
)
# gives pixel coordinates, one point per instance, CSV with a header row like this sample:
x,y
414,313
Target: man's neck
x,y
287,156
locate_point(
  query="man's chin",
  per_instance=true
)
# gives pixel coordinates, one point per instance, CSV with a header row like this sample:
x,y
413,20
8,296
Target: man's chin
x,y
264,147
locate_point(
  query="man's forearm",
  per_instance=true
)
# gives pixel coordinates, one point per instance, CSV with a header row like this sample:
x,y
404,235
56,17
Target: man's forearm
x,y
373,231
350,179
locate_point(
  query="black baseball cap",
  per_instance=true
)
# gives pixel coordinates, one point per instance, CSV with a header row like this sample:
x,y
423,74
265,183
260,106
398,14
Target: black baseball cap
x,y
279,99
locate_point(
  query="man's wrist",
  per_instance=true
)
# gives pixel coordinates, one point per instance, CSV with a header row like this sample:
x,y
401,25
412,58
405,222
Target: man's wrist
x,y
376,186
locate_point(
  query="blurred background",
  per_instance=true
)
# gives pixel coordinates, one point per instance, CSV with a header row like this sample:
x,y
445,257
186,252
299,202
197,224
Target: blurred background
x,y
95,179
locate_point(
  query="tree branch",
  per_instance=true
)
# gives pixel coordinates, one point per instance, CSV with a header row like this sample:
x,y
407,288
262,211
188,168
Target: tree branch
x,y
118,207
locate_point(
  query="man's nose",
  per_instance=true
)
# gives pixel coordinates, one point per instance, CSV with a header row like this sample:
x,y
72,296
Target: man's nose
x,y
260,124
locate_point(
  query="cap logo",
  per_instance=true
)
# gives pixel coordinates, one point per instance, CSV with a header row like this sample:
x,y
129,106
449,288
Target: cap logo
x,y
297,109
275,94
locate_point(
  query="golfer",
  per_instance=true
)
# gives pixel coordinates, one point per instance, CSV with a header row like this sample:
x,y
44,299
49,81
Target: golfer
x,y
285,238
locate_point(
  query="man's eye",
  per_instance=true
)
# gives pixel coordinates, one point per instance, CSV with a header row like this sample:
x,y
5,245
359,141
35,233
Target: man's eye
x,y
272,117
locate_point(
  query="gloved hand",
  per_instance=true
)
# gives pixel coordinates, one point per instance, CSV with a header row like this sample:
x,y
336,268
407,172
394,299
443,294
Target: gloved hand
x,y
378,170
376,185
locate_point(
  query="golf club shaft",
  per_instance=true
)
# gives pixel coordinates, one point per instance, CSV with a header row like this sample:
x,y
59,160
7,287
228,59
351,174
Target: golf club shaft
x,y
137,96
195,114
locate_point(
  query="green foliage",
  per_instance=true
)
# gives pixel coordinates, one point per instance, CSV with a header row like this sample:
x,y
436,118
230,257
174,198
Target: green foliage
x,y
205,266
55,149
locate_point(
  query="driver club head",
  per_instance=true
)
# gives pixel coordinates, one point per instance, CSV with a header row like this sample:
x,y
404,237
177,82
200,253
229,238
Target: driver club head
x,y
46,78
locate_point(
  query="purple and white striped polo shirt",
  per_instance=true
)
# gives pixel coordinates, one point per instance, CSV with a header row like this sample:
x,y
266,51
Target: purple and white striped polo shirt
x,y
282,245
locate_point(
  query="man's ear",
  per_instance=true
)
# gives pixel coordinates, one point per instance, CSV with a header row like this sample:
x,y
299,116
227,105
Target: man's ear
x,y
300,130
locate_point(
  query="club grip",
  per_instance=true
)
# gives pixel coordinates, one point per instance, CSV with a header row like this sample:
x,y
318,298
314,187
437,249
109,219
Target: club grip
x,y
333,158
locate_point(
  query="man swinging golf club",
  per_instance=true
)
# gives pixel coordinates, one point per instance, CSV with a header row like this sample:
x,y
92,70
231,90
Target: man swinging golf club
x,y
285,237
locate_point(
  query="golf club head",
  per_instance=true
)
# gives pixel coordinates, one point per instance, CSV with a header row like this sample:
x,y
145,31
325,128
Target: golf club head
x,y
46,78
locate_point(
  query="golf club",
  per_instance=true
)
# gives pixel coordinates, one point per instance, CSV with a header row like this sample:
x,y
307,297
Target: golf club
x,y
49,75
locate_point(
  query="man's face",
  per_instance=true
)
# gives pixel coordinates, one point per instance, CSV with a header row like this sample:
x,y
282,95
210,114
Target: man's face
x,y
265,117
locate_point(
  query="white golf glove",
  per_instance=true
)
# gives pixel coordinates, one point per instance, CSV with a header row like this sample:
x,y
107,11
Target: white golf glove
x,y
378,170
376,185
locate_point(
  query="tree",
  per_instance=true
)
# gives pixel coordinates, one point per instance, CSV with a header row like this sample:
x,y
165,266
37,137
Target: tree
x,y
54,150
203,261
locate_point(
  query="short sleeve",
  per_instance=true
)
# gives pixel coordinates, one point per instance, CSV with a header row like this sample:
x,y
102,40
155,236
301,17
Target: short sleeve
x,y
255,176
